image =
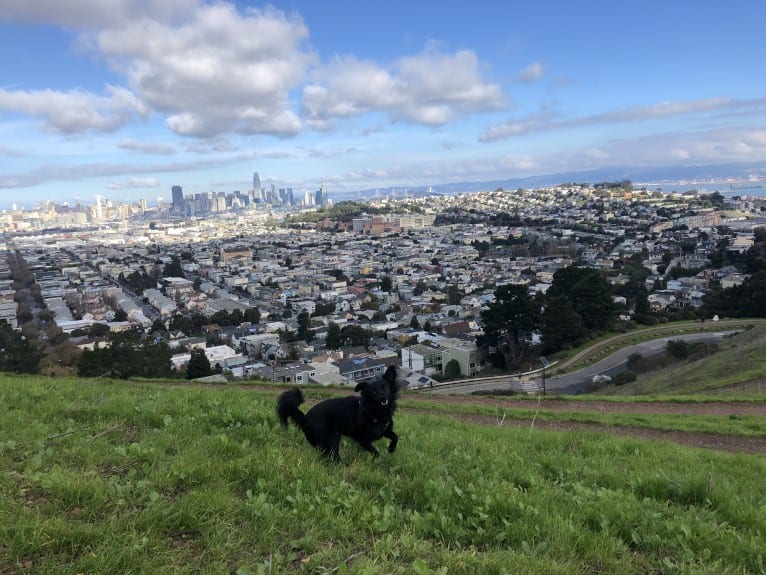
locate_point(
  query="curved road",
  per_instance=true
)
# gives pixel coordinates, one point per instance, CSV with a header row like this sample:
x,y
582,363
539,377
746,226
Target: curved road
x,y
576,381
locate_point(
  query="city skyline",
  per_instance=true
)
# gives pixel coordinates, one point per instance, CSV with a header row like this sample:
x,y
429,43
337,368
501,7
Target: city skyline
x,y
126,99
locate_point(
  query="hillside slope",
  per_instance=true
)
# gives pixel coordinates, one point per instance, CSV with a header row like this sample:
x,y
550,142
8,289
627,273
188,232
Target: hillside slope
x,y
738,365
119,477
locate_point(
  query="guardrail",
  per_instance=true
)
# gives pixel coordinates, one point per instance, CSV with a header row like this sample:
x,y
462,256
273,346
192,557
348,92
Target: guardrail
x,y
517,378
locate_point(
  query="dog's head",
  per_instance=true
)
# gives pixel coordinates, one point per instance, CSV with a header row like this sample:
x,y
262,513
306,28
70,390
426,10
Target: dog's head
x,y
381,392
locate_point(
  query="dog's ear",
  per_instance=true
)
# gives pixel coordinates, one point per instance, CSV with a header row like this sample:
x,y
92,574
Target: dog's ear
x,y
390,377
360,386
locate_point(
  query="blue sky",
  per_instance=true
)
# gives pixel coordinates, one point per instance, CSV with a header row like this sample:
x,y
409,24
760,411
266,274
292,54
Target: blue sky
x,y
124,99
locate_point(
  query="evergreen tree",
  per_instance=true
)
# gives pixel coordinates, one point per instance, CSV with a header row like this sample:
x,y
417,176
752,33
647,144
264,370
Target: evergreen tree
x,y
304,326
334,338
561,325
588,292
452,369
173,269
509,323
199,365
17,354
252,314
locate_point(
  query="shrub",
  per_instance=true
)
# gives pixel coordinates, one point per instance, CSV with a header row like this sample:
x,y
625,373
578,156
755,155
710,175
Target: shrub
x,y
624,377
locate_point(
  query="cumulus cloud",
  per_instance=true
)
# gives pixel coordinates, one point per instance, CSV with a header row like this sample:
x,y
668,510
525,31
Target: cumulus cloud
x,y
76,111
213,68
430,89
532,73
219,71
540,122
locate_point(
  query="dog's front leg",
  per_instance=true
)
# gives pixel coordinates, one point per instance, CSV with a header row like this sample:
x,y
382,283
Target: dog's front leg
x,y
389,433
367,446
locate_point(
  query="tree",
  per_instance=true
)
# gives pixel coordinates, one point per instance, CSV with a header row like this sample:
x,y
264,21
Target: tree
x,y
199,365
452,369
334,338
561,325
324,308
18,355
588,292
252,314
414,323
642,311
354,335
386,284
127,355
304,326
120,315
509,323
454,295
157,326
173,269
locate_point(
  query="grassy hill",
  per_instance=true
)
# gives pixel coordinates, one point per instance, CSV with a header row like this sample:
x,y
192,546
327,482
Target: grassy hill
x,y
738,365
117,477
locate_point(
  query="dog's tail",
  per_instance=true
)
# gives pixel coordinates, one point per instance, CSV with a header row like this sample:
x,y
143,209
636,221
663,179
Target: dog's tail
x,y
288,408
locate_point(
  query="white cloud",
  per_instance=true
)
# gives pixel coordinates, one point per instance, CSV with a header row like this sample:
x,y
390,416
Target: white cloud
x,y
147,147
220,71
134,183
76,111
430,88
532,73
546,121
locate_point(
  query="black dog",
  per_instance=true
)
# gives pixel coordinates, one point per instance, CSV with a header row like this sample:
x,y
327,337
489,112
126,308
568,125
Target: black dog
x,y
364,419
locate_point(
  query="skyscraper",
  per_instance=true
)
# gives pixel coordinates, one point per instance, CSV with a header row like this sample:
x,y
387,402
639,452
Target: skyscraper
x,y
321,196
178,199
257,186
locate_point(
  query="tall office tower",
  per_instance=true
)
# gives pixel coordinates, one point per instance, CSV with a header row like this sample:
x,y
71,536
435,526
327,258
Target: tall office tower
x,y
143,204
290,196
256,185
178,199
321,195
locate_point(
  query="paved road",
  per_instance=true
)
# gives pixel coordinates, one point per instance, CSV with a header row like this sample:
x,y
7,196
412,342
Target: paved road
x,y
576,381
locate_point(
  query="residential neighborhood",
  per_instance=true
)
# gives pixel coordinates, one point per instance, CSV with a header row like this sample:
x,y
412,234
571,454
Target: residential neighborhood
x,y
301,300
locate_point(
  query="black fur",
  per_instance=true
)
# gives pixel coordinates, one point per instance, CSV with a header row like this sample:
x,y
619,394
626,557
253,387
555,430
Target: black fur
x,y
365,418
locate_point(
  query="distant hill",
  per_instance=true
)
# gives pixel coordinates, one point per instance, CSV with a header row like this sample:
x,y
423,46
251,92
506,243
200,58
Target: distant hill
x,y
668,176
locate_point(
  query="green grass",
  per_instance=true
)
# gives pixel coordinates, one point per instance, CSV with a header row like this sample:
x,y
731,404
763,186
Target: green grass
x,y
114,477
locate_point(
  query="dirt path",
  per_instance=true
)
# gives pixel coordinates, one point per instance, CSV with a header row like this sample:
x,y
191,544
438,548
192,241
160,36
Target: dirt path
x,y
718,408
732,443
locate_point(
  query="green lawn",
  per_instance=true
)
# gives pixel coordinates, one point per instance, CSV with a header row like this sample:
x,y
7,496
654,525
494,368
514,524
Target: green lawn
x,y
113,477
